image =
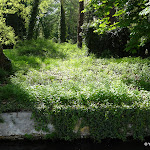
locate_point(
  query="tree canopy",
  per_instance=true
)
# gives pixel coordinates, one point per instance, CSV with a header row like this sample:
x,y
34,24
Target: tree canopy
x,y
128,13
106,15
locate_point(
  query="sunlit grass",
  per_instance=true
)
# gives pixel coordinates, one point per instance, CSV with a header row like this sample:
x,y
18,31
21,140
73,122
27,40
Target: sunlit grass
x,y
65,75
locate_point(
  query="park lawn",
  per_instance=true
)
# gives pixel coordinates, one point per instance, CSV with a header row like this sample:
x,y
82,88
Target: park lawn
x,y
48,77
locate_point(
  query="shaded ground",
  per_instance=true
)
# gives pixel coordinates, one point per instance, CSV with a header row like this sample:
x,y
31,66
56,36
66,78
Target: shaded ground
x,y
75,145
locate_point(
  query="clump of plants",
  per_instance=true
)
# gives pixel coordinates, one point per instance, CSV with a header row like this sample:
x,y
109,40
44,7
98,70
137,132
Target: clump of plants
x,y
39,47
108,44
3,75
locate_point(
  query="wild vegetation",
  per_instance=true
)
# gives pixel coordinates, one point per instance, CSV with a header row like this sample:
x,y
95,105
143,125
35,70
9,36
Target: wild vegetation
x,y
60,79
101,82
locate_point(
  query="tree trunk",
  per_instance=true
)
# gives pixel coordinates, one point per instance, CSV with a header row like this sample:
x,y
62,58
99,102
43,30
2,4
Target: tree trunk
x,y
32,21
5,63
80,23
112,19
62,24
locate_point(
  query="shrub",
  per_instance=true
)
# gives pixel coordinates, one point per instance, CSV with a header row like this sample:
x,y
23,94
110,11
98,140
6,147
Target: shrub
x,y
111,43
3,75
39,47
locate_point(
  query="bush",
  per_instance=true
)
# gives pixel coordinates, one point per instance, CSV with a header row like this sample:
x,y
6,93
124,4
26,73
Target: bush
x,y
3,75
111,43
39,47
105,121
144,51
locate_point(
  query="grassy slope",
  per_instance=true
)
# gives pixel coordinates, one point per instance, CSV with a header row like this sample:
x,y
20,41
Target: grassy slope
x,y
64,75
48,76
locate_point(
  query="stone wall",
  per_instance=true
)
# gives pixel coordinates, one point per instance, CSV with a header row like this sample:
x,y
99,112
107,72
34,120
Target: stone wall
x,y
17,125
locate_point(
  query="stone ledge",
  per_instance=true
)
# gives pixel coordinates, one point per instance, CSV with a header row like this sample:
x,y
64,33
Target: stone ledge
x,y
20,124
17,125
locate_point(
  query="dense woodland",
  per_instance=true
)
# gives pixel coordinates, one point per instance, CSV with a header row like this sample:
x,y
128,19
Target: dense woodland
x,y
32,19
108,27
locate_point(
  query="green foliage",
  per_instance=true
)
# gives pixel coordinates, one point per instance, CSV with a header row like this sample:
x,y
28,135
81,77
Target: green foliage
x,y
17,9
20,11
18,24
3,75
115,122
128,14
110,96
50,20
71,8
7,33
45,19
47,25
28,136
64,120
51,136
14,98
110,44
39,47
146,10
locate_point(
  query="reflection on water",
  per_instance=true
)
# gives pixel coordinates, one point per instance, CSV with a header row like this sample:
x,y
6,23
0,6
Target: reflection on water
x,y
76,145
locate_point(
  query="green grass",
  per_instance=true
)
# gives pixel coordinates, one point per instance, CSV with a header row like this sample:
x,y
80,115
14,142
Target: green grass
x,y
49,76
72,78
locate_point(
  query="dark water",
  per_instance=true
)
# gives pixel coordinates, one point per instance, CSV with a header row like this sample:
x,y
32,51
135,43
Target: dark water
x,y
75,145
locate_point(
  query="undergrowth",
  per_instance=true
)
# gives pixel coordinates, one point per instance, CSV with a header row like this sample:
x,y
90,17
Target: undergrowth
x,y
60,80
